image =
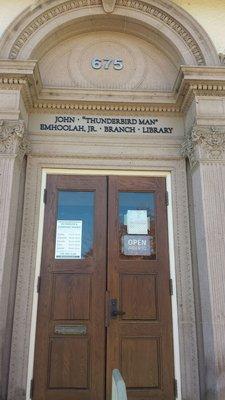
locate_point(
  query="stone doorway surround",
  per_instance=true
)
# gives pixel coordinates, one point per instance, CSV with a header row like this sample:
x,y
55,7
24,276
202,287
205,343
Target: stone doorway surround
x,y
143,167
197,96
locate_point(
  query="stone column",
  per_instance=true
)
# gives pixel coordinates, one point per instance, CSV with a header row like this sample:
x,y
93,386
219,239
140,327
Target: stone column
x,y
13,147
205,149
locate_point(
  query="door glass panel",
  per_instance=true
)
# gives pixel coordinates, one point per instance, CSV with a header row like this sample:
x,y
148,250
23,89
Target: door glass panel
x,y
137,225
75,225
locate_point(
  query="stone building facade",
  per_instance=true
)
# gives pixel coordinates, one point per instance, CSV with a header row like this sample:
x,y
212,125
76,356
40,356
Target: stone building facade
x,y
114,88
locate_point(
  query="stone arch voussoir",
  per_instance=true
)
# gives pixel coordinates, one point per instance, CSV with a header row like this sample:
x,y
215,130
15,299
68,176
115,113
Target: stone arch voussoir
x,y
172,22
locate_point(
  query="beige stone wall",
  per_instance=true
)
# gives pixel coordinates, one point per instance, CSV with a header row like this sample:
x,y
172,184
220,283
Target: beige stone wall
x,y
210,15
10,10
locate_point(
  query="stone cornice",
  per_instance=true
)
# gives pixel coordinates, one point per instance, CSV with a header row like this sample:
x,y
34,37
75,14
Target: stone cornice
x,y
23,76
13,139
198,81
191,82
204,143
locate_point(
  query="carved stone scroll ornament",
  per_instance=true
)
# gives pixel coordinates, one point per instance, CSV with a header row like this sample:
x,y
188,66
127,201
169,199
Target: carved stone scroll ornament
x,y
13,139
209,140
108,5
222,58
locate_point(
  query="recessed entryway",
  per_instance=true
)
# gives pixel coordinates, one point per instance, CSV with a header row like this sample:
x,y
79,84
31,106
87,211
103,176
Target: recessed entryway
x,y
104,298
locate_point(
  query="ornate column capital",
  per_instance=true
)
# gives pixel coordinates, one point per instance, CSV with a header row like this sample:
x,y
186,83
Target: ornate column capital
x,y
13,138
204,143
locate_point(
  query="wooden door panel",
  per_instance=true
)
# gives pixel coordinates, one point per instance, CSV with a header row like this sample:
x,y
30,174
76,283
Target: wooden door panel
x,y
134,287
71,296
140,341
69,363
140,362
70,339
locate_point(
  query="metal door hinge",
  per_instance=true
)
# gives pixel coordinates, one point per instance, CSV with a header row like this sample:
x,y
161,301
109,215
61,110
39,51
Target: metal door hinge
x,y
167,198
171,287
175,389
39,284
107,308
31,388
45,196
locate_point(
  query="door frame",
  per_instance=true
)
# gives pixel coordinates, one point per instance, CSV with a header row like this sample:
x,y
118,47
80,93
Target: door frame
x,y
106,172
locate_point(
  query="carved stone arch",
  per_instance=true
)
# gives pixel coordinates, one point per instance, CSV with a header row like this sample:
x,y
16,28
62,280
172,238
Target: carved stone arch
x,y
163,17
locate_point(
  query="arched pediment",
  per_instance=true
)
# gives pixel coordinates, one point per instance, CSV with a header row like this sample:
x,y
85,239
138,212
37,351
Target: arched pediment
x,y
165,19
143,66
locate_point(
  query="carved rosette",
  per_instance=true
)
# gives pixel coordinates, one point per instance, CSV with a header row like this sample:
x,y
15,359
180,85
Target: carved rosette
x,y
13,139
204,143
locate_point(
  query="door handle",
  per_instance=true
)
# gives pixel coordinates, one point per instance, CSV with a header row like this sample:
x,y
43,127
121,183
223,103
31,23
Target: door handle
x,y
114,312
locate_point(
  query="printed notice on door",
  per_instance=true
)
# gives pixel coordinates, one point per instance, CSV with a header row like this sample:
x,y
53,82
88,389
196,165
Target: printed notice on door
x,y
68,240
137,222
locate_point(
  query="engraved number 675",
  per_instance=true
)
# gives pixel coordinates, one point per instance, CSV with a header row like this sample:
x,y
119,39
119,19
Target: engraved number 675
x,y
106,63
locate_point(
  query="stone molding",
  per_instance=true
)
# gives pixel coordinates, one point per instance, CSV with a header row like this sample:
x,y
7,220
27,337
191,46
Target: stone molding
x,y
157,13
18,84
198,81
191,82
13,139
204,143
222,58
178,102
23,76
52,107
27,263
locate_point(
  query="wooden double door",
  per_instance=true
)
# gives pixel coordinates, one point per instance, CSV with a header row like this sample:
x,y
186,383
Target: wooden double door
x,y
104,299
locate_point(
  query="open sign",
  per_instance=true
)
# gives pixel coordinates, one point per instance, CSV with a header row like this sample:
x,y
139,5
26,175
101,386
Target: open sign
x,y
136,245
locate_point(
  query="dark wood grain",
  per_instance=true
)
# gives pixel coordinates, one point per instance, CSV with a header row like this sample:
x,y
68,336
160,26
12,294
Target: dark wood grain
x,y
69,364
141,362
140,342
72,296
138,296
72,292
